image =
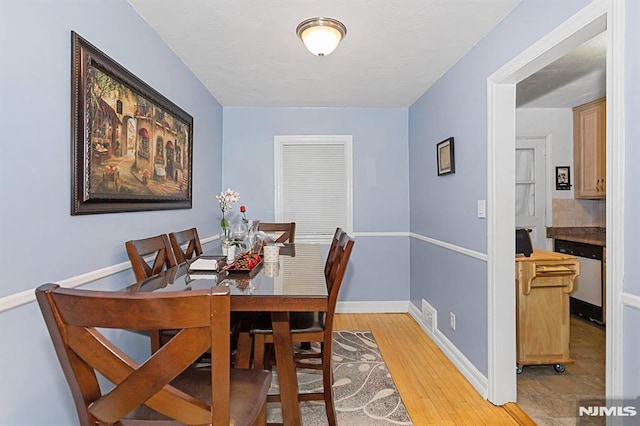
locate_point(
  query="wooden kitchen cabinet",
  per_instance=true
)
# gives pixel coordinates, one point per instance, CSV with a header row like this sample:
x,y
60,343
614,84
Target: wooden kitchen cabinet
x,y
544,281
589,150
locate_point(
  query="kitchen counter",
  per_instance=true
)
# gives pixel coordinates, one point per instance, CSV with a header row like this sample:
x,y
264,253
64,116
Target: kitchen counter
x,y
581,234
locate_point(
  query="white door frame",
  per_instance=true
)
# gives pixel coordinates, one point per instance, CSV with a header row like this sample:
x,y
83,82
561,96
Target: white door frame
x,y
586,23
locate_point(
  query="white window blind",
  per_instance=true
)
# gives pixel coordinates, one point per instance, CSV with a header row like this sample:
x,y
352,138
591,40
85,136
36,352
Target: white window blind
x,y
314,184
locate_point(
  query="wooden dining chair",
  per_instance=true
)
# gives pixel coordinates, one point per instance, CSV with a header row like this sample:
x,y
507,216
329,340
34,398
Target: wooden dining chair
x,y
165,388
188,239
283,232
245,340
311,327
159,246
328,268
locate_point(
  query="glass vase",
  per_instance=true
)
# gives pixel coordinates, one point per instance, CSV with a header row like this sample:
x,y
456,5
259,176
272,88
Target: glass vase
x,y
239,231
225,230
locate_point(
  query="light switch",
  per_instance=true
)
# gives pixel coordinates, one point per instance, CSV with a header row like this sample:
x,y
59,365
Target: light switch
x,y
482,209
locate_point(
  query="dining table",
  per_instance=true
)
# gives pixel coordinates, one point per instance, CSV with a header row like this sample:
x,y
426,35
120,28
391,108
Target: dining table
x,y
295,283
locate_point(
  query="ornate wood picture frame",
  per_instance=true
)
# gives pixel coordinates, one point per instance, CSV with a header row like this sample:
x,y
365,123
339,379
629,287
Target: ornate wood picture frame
x,y
131,148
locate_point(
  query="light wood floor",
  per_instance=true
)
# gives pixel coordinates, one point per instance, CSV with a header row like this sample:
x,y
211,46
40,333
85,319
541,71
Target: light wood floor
x,y
432,389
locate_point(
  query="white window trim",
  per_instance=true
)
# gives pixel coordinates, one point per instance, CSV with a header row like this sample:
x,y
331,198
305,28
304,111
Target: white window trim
x,y
344,140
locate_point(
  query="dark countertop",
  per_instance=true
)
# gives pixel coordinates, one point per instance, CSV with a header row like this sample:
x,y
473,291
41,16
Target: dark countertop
x,y
582,234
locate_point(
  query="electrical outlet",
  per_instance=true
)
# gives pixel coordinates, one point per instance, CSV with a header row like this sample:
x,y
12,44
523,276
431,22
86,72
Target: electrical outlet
x,y
452,320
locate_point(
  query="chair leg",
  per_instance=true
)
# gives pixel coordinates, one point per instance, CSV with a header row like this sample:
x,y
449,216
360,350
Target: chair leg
x,y
327,383
269,356
155,340
258,351
243,351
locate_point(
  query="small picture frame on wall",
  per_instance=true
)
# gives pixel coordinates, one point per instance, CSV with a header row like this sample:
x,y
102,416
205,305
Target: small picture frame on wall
x,y
445,157
563,178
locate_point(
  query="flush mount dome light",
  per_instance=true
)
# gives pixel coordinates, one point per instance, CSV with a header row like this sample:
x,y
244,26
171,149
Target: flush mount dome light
x,y
321,36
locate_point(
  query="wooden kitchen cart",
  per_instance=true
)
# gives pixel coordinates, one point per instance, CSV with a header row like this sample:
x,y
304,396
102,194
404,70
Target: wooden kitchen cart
x,y
544,281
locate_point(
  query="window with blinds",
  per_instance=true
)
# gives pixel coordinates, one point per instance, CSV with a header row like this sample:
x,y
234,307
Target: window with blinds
x,y
314,184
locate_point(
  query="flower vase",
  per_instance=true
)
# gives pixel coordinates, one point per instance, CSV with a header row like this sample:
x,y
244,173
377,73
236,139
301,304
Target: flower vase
x,y
225,230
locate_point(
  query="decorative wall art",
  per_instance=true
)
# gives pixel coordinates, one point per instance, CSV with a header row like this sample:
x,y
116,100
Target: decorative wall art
x,y
446,160
131,147
563,178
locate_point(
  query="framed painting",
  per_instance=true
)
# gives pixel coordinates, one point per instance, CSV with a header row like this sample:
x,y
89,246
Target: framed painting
x,y
131,148
444,155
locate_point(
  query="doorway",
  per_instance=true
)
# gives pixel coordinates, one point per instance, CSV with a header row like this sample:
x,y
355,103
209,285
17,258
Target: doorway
x,y
544,106
585,24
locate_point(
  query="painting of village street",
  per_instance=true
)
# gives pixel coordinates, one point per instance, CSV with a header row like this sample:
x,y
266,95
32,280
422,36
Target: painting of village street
x,y
137,149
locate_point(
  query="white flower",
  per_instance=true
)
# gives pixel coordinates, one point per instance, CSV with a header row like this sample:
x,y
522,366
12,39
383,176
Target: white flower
x,y
226,198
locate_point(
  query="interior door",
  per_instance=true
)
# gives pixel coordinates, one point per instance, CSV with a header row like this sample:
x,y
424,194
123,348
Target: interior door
x,y
531,189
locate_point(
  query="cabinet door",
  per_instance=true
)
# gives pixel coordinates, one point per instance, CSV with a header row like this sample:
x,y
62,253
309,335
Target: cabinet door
x,y
589,150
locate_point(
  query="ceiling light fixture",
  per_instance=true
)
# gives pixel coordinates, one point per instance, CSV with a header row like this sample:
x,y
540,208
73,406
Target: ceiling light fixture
x,y
321,36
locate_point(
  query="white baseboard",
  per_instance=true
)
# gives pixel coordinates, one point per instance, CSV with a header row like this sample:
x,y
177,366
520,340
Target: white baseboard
x,y
468,370
399,306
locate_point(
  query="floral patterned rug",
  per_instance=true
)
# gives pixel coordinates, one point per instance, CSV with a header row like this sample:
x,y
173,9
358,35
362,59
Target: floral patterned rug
x,y
363,390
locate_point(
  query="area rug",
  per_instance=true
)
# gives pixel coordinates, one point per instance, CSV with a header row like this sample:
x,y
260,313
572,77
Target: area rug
x,y
363,390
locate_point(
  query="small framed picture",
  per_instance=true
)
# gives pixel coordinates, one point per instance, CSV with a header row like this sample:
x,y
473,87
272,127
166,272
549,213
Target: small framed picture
x,y
444,155
563,178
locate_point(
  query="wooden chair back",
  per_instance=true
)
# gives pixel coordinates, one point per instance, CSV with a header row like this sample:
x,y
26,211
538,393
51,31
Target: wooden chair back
x,y
333,249
285,232
163,387
188,239
159,245
338,269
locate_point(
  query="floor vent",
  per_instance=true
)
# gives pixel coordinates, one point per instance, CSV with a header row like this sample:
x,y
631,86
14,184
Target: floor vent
x,y
429,316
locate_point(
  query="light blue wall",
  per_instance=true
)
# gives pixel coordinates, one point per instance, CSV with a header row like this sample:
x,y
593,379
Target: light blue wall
x,y
40,240
380,181
631,337
444,208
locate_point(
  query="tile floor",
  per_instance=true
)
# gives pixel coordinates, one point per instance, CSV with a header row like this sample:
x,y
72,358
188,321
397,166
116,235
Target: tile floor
x,y
551,398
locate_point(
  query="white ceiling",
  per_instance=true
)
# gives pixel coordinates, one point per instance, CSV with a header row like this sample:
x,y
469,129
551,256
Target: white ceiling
x,y
247,54
575,79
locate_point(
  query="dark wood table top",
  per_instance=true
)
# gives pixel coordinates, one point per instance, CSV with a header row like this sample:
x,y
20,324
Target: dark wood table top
x,y
296,282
